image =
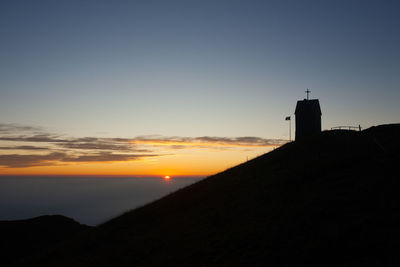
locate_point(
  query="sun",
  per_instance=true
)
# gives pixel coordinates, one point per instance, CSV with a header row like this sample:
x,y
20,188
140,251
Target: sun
x,y
167,177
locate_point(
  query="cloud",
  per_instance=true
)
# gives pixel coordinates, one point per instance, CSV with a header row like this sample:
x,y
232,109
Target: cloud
x,y
64,150
95,146
56,158
43,138
11,127
21,161
84,143
242,141
103,144
23,148
176,142
107,157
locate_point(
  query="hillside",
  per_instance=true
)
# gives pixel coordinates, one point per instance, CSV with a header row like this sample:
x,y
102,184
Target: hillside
x,y
330,199
25,238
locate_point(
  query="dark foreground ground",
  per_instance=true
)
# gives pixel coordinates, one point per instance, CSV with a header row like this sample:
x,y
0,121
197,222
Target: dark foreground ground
x,y
332,199
25,238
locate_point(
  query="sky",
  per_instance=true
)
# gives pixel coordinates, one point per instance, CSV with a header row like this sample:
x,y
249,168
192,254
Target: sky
x,y
184,87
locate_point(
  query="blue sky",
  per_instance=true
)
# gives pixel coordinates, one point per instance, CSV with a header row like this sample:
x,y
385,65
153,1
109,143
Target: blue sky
x,y
196,68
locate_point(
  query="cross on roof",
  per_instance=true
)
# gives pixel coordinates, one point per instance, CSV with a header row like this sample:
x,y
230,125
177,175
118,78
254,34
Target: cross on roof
x,y
308,92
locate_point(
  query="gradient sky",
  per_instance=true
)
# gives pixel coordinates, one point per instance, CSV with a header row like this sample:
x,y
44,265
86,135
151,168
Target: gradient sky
x,y
166,76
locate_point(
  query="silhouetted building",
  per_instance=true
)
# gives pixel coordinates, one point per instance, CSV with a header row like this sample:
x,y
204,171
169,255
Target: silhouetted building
x,y
308,117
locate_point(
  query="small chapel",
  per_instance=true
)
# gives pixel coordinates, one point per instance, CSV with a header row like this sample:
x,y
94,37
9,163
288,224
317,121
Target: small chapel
x,y
308,117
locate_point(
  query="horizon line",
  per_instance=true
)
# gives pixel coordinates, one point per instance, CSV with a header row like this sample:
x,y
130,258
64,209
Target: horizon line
x,y
102,175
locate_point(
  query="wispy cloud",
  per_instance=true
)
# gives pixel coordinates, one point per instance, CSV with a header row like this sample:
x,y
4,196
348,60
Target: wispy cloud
x,y
57,158
44,138
22,161
177,142
23,148
37,147
104,144
12,128
107,157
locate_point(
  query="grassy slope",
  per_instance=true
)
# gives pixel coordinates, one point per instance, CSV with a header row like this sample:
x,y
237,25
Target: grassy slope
x,y
330,199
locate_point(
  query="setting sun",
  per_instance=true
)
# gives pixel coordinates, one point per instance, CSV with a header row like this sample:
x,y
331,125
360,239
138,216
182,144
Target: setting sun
x,y
167,177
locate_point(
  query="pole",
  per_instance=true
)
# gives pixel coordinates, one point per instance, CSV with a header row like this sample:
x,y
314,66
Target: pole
x,y
288,118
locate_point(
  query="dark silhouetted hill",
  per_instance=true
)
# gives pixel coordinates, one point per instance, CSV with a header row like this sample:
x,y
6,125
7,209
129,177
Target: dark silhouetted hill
x,y
329,199
22,239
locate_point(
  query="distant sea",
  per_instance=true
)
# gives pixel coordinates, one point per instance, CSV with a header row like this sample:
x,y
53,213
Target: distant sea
x,y
88,200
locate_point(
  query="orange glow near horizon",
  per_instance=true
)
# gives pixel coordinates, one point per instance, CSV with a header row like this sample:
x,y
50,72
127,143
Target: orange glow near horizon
x,y
188,161
166,143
